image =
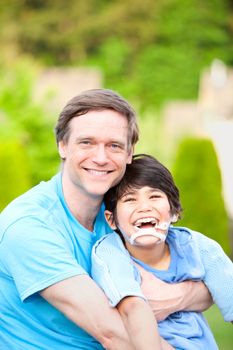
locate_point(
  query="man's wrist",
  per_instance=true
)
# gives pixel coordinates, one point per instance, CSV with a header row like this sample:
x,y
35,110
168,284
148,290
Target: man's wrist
x,y
185,295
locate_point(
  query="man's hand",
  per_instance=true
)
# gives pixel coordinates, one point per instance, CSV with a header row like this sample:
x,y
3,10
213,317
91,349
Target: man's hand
x,y
166,298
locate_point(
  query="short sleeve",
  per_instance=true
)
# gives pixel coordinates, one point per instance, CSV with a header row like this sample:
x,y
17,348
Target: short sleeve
x,y
37,256
218,274
113,269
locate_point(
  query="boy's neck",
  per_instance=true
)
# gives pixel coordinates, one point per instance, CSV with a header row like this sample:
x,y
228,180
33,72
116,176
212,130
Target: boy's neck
x,y
157,256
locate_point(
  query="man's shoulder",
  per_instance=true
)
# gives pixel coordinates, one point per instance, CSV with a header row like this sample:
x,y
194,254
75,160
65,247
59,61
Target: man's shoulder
x,y
36,202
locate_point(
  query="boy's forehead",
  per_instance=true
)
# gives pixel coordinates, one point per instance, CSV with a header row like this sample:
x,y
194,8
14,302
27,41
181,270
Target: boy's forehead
x,y
138,189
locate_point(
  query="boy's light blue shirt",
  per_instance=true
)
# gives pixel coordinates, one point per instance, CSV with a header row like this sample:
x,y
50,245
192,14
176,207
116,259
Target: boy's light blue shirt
x,y
185,329
200,258
41,243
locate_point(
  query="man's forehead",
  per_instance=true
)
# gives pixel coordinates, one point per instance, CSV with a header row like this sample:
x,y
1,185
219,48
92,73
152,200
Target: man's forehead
x,y
112,122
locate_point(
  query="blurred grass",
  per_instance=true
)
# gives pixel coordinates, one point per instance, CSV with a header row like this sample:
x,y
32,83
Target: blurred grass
x,y
223,331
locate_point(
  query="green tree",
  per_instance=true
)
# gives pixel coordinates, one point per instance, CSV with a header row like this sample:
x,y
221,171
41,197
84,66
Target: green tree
x,y
197,174
150,51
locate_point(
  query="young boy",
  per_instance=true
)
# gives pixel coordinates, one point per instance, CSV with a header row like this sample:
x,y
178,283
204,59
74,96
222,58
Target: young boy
x,y
141,209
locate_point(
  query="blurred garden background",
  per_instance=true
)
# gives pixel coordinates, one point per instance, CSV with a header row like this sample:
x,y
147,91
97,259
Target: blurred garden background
x,y
172,59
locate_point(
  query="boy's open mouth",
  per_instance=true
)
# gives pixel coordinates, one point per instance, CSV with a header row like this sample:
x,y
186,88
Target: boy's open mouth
x,y
145,223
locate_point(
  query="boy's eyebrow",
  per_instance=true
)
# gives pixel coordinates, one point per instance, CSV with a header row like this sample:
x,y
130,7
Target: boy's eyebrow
x,y
127,193
133,191
154,190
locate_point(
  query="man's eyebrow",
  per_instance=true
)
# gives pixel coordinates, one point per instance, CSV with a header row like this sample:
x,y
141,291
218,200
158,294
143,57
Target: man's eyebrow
x,y
88,137
80,137
83,137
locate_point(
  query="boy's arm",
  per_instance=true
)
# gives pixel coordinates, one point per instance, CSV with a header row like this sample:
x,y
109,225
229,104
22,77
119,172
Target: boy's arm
x,y
114,272
218,274
141,325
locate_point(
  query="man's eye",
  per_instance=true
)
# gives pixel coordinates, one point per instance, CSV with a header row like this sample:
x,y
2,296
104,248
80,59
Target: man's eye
x,y
115,146
85,142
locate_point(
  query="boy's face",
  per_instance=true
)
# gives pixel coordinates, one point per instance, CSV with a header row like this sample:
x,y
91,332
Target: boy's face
x,y
139,211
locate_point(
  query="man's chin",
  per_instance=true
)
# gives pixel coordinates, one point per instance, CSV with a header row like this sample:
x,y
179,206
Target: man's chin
x,y
98,192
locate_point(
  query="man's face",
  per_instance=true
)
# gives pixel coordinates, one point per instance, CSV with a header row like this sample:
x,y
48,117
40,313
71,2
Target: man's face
x,y
96,152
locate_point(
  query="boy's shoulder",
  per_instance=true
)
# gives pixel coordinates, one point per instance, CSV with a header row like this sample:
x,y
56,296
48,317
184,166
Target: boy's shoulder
x,y
186,235
110,242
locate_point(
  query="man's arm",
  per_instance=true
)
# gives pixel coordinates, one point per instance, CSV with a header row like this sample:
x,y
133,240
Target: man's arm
x,y
80,300
166,298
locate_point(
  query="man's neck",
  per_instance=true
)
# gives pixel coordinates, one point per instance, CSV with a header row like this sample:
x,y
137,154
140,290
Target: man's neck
x,y
84,207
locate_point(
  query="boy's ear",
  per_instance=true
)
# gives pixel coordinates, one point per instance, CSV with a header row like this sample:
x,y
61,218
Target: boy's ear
x,y
109,218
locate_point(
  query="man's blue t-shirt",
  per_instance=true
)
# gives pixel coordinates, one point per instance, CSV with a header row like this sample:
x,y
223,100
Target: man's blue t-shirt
x,y
41,243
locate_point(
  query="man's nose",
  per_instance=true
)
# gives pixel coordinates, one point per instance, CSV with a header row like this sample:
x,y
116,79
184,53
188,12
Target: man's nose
x,y
100,155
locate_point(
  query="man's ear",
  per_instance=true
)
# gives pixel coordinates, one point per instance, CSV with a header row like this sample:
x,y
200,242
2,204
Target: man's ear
x,y
130,156
62,149
109,218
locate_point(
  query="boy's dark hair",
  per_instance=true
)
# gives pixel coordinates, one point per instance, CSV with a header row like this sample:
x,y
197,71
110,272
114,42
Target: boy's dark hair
x,y
145,170
96,100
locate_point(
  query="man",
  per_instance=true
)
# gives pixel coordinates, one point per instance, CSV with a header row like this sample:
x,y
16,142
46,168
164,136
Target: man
x,y
48,300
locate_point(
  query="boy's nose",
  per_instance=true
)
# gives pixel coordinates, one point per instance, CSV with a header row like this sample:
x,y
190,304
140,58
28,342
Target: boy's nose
x,y
143,206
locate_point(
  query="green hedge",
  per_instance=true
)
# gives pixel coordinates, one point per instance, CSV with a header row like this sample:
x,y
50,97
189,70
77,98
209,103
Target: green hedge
x,y
197,174
14,175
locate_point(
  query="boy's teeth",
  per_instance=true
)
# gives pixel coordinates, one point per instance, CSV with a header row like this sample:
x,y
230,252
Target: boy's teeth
x,y
144,221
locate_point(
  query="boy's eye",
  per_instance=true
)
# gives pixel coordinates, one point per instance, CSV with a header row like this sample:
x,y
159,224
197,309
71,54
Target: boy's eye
x,y
155,196
128,199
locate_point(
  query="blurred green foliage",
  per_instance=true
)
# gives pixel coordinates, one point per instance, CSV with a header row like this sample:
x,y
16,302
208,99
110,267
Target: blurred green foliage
x,y
26,123
197,175
15,173
150,51
222,330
